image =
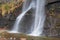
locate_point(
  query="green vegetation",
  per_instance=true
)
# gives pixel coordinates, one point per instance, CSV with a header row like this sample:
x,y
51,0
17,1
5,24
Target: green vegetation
x,y
8,7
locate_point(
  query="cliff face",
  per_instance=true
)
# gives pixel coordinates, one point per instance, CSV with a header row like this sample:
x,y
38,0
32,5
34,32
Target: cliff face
x,y
48,1
52,24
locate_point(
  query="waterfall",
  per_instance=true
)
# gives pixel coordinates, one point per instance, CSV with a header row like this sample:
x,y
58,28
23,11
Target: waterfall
x,y
19,18
39,6
39,18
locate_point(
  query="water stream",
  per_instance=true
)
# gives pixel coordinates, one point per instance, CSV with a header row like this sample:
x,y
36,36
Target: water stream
x,y
39,6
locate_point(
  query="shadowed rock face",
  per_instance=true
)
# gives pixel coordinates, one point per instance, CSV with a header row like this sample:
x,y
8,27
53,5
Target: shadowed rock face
x,y
52,24
48,1
26,23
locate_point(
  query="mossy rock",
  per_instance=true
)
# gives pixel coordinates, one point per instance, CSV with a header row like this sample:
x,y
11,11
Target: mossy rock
x,y
17,36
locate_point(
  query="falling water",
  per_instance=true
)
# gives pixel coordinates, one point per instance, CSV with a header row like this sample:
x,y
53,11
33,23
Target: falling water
x,y
39,18
16,25
39,6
